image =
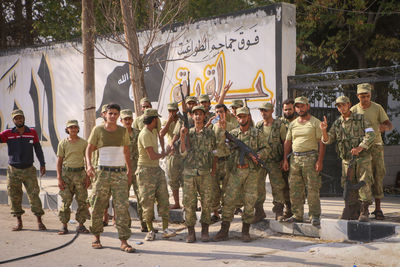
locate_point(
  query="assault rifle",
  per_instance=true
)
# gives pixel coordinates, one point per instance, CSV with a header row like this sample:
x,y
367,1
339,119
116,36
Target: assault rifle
x,y
348,186
244,150
184,118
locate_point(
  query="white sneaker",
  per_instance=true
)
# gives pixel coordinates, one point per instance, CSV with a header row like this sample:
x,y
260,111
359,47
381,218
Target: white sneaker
x,y
151,236
167,233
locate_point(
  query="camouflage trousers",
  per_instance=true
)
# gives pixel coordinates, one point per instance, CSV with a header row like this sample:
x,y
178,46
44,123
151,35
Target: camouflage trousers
x,y
15,178
152,188
218,185
135,188
242,184
363,172
304,176
194,185
106,184
175,170
378,170
280,190
74,185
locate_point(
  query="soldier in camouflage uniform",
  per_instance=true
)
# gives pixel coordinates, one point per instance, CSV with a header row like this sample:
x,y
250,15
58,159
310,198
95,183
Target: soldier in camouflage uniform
x,y
71,176
151,178
275,133
199,168
21,141
112,177
174,159
354,136
243,177
204,100
304,138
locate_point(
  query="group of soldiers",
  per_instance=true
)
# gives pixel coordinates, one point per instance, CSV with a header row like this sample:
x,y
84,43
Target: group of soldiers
x,y
220,159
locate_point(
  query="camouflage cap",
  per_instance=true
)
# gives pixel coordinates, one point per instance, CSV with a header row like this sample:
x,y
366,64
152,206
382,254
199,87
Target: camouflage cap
x,y
198,108
204,98
104,108
237,103
126,113
342,99
301,100
190,98
17,112
172,106
151,112
144,99
266,106
243,110
364,88
71,123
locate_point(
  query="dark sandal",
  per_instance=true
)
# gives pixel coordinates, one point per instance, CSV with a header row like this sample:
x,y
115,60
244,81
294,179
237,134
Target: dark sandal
x,y
105,223
127,249
82,229
63,231
97,245
215,218
378,215
18,227
42,227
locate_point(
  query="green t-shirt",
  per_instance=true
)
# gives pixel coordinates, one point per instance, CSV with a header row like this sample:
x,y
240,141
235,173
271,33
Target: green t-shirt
x,y
73,154
304,136
170,132
147,139
376,115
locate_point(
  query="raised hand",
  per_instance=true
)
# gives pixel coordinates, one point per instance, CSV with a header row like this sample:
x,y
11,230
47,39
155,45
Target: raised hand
x,y
324,124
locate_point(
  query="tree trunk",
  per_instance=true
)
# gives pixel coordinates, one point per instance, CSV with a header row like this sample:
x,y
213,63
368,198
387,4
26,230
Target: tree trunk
x,y
18,24
28,23
136,68
88,66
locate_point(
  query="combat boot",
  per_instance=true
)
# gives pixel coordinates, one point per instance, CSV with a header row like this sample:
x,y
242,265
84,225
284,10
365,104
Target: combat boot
x,y
278,210
287,213
364,213
259,213
204,233
245,232
222,234
191,237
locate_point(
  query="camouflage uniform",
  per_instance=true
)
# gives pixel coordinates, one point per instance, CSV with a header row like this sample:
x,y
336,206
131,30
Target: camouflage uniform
x,y
174,163
243,180
285,174
197,178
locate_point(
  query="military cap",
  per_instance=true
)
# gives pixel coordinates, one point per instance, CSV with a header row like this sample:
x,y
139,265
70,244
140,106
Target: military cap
x,y
172,106
342,99
198,108
266,106
190,98
204,98
71,123
364,88
104,108
126,113
151,112
17,112
237,103
144,99
243,110
301,100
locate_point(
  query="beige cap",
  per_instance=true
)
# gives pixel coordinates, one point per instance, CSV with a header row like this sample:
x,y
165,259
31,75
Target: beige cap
x,y
243,110
266,106
17,112
104,108
126,113
301,100
172,106
198,108
237,103
204,98
342,99
364,88
151,112
144,99
71,123
190,98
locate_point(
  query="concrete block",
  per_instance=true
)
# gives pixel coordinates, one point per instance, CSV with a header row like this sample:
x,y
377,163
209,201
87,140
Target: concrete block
x,y
262,225
49,201
305,229
25,200
133,209
176,216
284,228
335,230
3,197
382,230
359,231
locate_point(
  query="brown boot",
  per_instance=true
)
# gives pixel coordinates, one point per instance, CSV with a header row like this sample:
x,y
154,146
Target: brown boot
x,y
259,213
245,232
364,212
191,237
287,213
222,234
278,210
204,233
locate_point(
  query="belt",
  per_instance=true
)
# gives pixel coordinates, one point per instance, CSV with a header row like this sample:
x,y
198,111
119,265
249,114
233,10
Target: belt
x,y
112,169
223,158
305,153
245,166
68,169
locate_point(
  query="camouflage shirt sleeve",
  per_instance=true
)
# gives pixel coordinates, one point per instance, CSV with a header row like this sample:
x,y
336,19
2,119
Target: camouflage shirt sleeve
x,y
369,136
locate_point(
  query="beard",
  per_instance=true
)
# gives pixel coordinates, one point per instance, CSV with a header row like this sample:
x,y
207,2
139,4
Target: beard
x,y
289,117
304,114
20,125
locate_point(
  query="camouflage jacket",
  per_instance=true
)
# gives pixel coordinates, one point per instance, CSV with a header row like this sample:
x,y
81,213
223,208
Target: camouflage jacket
x,y
351,133
133,148
273,140
198,159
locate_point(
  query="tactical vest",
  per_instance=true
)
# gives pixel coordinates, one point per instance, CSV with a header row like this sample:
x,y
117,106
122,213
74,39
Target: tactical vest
x,y
274,140
349,139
